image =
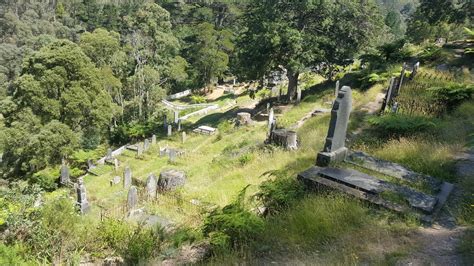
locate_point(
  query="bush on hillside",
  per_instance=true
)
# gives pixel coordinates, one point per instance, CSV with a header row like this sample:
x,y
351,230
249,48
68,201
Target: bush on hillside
x,y
452,95
278,194
397,125
195,99
134,243
232,226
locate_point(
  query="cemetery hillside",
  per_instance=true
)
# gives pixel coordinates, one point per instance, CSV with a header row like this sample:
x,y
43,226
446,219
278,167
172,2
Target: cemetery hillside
x,y
256,132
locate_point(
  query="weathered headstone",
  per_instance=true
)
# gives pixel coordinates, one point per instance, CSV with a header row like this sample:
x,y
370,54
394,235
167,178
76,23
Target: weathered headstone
x,y
172,155
170,130
115,180
132,198
176,116
268,107
109,154
90,164
415,70
151,186
183,137
336,91
171,179
179,125
402,78
334,148
139,149
64,178
146,145
127,177
153,139
165,122
82,197
298,95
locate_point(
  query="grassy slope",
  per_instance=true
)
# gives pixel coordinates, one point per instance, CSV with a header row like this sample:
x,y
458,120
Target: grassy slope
x,y
219,166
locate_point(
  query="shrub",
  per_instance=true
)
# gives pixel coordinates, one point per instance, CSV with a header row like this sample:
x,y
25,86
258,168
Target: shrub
x,y
195,99
13,255
263,93
278,194
452,95
46,178
245,158
232,226
400,124
135,243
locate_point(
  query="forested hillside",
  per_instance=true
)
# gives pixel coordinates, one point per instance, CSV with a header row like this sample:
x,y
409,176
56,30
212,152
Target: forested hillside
x,y
92,91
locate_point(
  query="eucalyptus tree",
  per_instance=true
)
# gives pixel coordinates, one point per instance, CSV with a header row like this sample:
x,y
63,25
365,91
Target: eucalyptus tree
x,y
303,34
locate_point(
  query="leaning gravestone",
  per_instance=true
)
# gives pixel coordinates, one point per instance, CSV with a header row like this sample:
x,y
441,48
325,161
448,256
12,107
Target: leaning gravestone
x,y
64,178
127,177
334,148
132,198
171,179
82,197
151,186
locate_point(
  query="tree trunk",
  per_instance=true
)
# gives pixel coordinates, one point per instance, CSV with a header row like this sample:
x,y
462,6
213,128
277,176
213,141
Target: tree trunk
x,y
292,84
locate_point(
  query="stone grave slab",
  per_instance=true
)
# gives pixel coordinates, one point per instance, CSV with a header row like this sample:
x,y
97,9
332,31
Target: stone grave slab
x,y
369,185
206,130
389,168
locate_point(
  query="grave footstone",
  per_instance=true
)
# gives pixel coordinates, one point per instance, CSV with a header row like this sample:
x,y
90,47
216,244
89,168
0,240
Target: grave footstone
x,y
176,116
334,148
127,177
171,179
115,180
146,145
183,137
170,130
132,198
153,139
64,178
151,186
82,197
271,121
